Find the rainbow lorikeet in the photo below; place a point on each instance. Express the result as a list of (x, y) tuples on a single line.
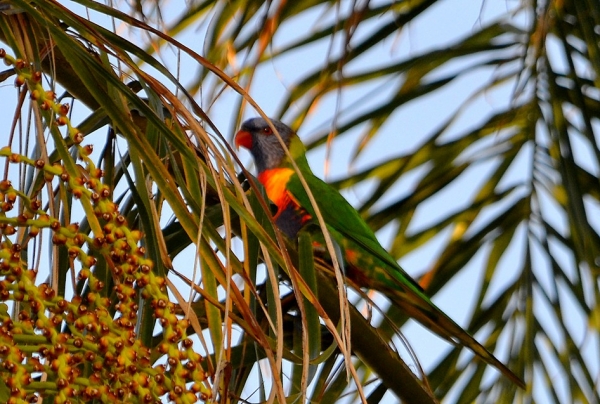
[(367, 262)]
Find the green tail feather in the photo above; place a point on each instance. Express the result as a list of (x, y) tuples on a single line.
[(374, 267)]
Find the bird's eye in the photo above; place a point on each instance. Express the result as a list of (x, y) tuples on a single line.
[(267, 131)]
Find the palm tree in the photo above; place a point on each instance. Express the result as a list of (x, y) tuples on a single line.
[(136, 264)]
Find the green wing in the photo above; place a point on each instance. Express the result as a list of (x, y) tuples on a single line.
[(338, 214), (342, 218)]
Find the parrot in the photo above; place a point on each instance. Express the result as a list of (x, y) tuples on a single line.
[(367, 262)]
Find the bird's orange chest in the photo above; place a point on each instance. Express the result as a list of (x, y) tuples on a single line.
[(275, 182)]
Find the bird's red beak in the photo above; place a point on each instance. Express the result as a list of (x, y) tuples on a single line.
[(243, 138)]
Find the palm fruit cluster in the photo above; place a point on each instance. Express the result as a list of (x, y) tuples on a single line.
[(84, 349)]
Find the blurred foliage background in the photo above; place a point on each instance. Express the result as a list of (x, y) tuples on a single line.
[(499, 203)]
